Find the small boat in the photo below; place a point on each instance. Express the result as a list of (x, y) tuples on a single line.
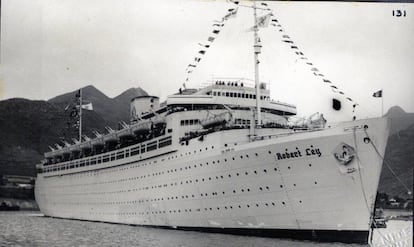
[(379, 223), (4, 206)]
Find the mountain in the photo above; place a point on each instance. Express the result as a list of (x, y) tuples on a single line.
[(400, 120), (28, 127), (112, 110), (399, 156)]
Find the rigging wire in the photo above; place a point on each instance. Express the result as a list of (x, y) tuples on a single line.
[(372, 220)]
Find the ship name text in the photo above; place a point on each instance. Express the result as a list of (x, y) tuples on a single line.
[(311, 151)]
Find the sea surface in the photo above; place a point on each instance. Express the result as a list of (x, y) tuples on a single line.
[(33, 229)]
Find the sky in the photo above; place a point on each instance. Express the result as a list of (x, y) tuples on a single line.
[(52, 47)]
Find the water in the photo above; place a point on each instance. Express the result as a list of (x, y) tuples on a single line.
[(32, 229)]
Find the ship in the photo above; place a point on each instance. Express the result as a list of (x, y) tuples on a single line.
[(223, 158)]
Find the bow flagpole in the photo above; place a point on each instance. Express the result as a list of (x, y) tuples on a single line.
[(80, 114), (378, 94)]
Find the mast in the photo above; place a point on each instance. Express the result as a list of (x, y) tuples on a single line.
[(80, 115), (257, 48)]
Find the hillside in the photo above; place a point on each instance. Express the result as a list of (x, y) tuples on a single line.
[(399, 155), (400, 120), (28, 127), (112, 110)]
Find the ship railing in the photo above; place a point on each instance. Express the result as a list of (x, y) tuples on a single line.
[(292, 132), (138, 149)]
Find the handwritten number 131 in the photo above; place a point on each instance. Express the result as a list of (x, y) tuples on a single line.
[(399, 13)]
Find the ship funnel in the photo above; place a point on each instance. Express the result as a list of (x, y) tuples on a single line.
[(142, 105)]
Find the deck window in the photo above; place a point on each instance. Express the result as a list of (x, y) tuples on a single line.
[(106, 158), (120, 155), (152, 146)]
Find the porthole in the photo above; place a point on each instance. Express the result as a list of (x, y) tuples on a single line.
[(281, 186), (264, 170), (316, 182), (283, 203)]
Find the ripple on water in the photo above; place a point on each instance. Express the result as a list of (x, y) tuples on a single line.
[(31, 229)]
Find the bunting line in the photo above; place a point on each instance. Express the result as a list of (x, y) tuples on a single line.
[(286, 39), (217, 26)]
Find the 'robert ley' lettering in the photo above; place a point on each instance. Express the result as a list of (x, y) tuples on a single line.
[(311, 151), (289, 155)]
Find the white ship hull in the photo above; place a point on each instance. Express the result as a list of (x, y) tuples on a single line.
[(224, 183)]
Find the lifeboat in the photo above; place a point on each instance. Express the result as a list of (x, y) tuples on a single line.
[(158, 122), (97, 142), (85, 145), (215, 121), (141, 128), (111, 138), (126, 133)]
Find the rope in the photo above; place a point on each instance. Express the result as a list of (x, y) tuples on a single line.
[(372, 220)]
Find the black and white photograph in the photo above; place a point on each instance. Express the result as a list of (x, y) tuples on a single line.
[(206, 123)]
